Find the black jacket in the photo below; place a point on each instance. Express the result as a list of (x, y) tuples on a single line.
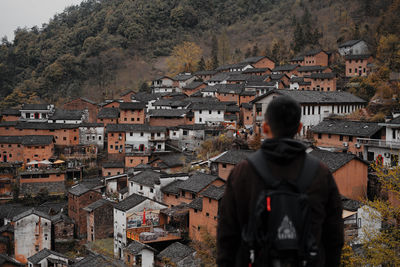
[(285, 159)]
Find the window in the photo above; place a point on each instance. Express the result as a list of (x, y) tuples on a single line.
[(207, 214), (109, 173), (224, 165), (341, 138), (209, 200), (64, 138), (329, 136), (111, 146), (185, 132), (393, 134), (350, 138), (209, 112), (87, 138), (129, 258), (151, 190), (158, 134), (319, 135), (74, 137), (37, 247), (141, 187), (219, 111), (199, 111), (200, 120), (141, 134), (350, 70)]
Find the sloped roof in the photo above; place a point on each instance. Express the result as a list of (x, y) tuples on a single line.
[(173, 159), (79, 189), (214, 192), (251, 60), (196, 204), (97, 204), (328, 75), (357, 57), (219, 77), (313, 52), (29, 212), (46, 125), (229, 88), (334, 160), (34, 107), (309, 96), (288, 67), (255, 70), (11, 139), (192, 85), (13, 112), (205, 72), (345, 127), (171, 113), (176, 252), (37, 140), (172, 188), (130, 202), (95, 260), (6, 259), (60, 114), (134, 128), (114, 164), (183, 77), (135, 247), (108, 113), (132, 105), (44, 253), (209, 106), (298, 58), (233, 156), (349, 43), (311, 68), (147, 178), (197, 182)]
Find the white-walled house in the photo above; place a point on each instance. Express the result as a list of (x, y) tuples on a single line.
[(32, 233), (36, 112), (315, 105), (91, 134), (353, 47), (69, 116), (129, 214), (46, 258), (139, 254), (212, 112)]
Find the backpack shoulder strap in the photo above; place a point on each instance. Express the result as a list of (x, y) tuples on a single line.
[(259, 162), (306, 176)]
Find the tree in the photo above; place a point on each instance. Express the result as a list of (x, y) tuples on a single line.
[(207, 249), (214, 52), (184, 58), (388, 52), (255, 51), (298, 39), (248, 53), (224, 49), (201, 65)]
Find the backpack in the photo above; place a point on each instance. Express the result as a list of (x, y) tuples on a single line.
[(278, 232)]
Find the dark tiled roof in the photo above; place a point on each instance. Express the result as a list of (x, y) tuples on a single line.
[(248, 93), (44, 253), (171, 113), (344, 127), (233, 156), (79, 189), (130, 202), (251, 60), (230, 117), (229, 88), (37, 140), (349, 43), (9, 211), (134, 128), (197, 182), (145, 97), (246, 105), (308, 96), (350, 204), (4, 259), (114, 164), (45, 126), (214, 192), (176, 252), (163, 102), (172, 188), (88, 100), (311, 68), (209, 89), (89, 125), (277, 76), (95, 260), (329, 75), (197, 204), (127, 92), (60, 114), (192, 85), (97, 204), (11, 112), (173, 159), (108, 113), (209, 106), (314, 52), (334, 160), (298, 58), (60, 217), (147, 178), (285, 67), (219, 77), (34, 107), (357, 57), (124, 190), (183, 77), (193, 127), (244, 77), (206, 72), (135, 247), (29, 212), (52, 187), (132, 105), (255, 70), (11, 139)]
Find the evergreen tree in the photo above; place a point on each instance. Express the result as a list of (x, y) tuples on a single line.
[(298, 42), (248, 53), (202, 64), (214, 52), (255, 51)]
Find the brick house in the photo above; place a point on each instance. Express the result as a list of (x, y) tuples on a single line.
[(10, 115), (260, 62), (108, 116), (79, 197), (322, 81), (299, 60), (7, 239), (289, 70), (100, 220), (112, 168), (246, 114), (114, 103), (229, 92), (304, 71), (32, 233), (63, 228), (132, 112), (223, 164), (33, 181), (48, 257), (132, 159), (358, 65), (349, 171), (257, 71), (299, 83), (203, 213), (344, 134), (82, 104), (193, 87), (316, 57), (205, 74), (127, 95), (167, 117), (315, 105)]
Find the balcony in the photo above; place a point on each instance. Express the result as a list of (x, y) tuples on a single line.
[(379, 143)]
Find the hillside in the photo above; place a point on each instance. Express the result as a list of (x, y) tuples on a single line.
[(103, 47)]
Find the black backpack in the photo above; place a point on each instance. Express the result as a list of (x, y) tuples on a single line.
[(278, 232)]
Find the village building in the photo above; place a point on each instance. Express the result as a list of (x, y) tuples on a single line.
[(304, 71), (219, 78), (7, 261), (315, 105), (187, 137), (32, 233), (280, 80), (163, 84), (228, 92), (47, 258), (203, 214), (108, 116), (133, 159), (91, 134), (170, 162), (139, 254), (358, 65), (111, 168), (260, 62), (83, 104), (299, 83), (205, 74), (210, 113), (10, 115), (353, 47), (100, 221), (79, 197), (322, 81), (132, 112), (344, 134), (289, 70), (63, 229), (127, 95), (316, 57), (299, 60), (193, 87), (34, 181), (110, 103), (168, 117), (115, 183), (36, 112), (178, 254), (223, 164), (257, 71), (69, 116), (183, 79), (7, 239), (349, 171), (134, 212)]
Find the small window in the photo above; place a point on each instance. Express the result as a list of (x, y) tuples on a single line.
[(141, 134), (319, 136), (341, 138), (350, 138), (151, 190), (207, 214)]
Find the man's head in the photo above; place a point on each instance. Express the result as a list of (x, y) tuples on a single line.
[(282, 118)]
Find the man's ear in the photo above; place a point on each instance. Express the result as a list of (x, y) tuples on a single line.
[(300, 127), (265, 128)]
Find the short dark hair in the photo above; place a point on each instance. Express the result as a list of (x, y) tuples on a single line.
[(283, 116)]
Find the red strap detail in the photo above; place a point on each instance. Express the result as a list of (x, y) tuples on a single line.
[(250, 264), (268, 203)]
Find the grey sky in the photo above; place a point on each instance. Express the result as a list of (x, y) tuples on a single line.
[(28, 13)]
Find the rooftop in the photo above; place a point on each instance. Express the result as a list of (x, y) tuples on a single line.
[(357, 57), (233, 156), (135, 247), (134, 128), (311, 68), (130, 202), (34, 107), (196, 204), (349, 43), (345, 127), (176, 252), (44, 253), (108, 113), (29, 212), (132, 106), (197, 182), (285, 67), (97, 204), (147, 178), (170, 113), (214, 192), (113, 164), (334, 160)]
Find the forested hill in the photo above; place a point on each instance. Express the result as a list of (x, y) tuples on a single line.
[(102, 47)]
